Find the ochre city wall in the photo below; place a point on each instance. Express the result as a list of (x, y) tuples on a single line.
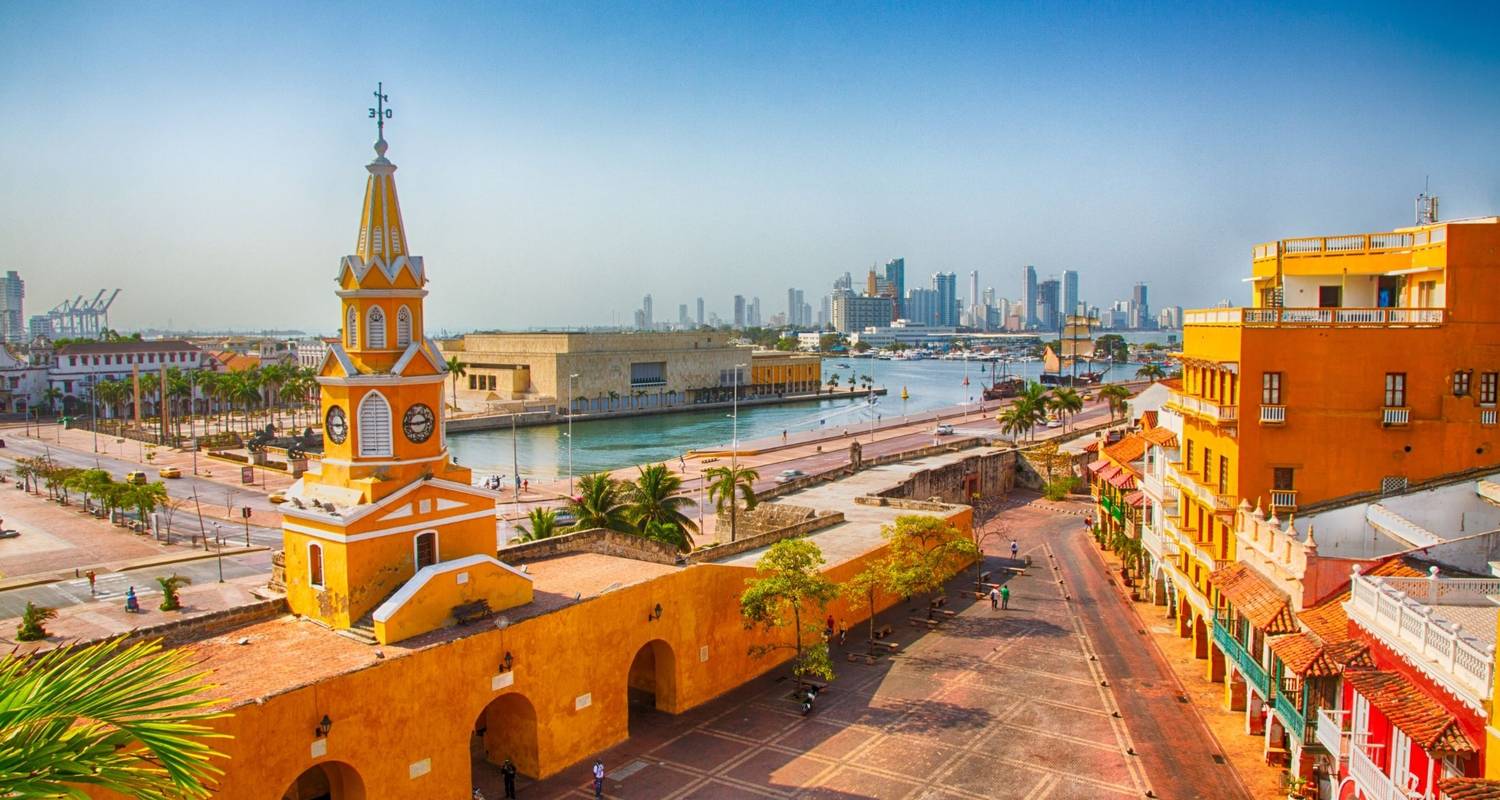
[(415, 715)]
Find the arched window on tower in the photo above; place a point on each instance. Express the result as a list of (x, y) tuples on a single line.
[(375, 329), (374, 425), (403, 327), (351, 329), (315, 564)]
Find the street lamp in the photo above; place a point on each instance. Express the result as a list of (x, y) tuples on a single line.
[(219, 553), (571, 376), (734, 454)]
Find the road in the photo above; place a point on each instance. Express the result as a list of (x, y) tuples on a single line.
[(110, 586)]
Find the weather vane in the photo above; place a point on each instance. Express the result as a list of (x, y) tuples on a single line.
[(380, 113)]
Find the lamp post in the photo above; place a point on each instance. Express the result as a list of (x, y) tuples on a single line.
[(94, 408), (219, 553), (192, 401), (571, 376), (734, 442)]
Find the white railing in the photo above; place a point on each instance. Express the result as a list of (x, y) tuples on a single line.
[(1283, 499), (1207, 409), (1294, 317), (1395, 416), (1331, 733), (1373, 783), (1273, 415), (1460, 662), (1439, 591), (1486, 416)]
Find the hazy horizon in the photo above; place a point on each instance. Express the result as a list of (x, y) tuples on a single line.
[(558, 162)]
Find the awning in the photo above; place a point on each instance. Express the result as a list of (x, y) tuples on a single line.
[(1108, 472), (1411, 710), (1136, 499), (1122, 480), (1252, 595), (1096, 466)]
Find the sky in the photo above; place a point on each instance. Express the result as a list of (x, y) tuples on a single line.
[(558, 161)]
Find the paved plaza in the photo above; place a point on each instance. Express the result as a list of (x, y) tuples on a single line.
[(1007, 704)]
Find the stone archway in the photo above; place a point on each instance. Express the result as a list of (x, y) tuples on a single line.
[(331, 780), (507, 728), (651, 683)]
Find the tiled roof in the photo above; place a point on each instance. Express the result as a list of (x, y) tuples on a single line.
[(1128, 449), (1098, 466), (1173, 383), (1161, 437), (1266, 608), (1122, 480), (1148, 419), (1304, 654), (1136, 499), (237, 362), (1469, 789), (126, 346), (1412, 710)]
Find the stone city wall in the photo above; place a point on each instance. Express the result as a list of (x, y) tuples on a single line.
[(593, 540)]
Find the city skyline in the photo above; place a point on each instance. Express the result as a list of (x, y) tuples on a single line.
[(603, 149)]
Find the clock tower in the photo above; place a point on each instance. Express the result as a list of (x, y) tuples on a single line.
[(387, 503)]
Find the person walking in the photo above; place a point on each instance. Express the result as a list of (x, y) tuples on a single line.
[(1015, 550), (598, 779), (1004, 597), (92, 578), (994, 598), (508, 771)]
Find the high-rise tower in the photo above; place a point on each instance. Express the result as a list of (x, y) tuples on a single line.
[(1028, 297), (372, 533)]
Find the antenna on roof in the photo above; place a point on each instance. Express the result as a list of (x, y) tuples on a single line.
[(1427, 205)]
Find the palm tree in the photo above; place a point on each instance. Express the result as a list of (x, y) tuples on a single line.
[(52, 395), (726, 482), (655, 497), (150, 382), (1065, 402), (1015, 420), (668, 533), (833, 383), (125, 719), (542, 524), (1151, 372), (1117, 396), (456, 369), (179, 387), (112, 392), (599, 504)]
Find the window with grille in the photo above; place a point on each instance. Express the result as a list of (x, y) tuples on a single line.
[(1208, 464), (1392, 484), (374, 425), (315, 564), (1270, 388), (1461, 382), (1223, 475), (403, 327), (351, 326), (426, 549), (1187, 461), (1395, 389), (1487, 387), (1281, 478), (375, 329)]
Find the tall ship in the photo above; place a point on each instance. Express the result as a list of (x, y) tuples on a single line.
[(1076, 344), (1003, 387)]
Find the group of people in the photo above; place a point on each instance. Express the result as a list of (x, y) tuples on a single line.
[(508, 773)]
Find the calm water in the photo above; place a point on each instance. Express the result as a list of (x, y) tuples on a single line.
[(609, 444)]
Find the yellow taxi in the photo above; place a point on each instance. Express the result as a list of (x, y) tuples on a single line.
[(136, 477), (169, 472)]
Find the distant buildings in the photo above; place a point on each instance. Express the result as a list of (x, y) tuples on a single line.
[(739, 311), (1028, 297), (855, 313), (1049, 305), (946, 285), (12, 318), (1069, 292)]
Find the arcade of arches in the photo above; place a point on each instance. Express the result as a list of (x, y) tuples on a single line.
[(332, 780)]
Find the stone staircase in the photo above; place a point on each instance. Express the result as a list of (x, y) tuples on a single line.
[(362, 631)]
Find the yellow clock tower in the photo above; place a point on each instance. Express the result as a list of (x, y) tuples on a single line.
[(388, 534)]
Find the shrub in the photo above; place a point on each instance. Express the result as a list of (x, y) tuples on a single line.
[(31, 628)]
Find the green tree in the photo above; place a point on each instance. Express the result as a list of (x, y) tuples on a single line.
[(865, 589), (833, 383), (828, 341), (170, 584), (1118, 398), (1151, 372), (129, 720), (456, 369), (145, 498), (32, 629), (726, 486), (926, 551), (541, 523), (1065, 402), (600, 504), (668, 533), (656, 496), (787, 583), (861, 346), (52, 394)]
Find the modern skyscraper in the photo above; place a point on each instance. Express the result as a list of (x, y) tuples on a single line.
[(922, 307), (646, 314), (852, 313), (682, 317), (976, 314), (1049, 310), (794, 304), (12, 321), (1140, 308), (895, 278), (946, 286), (1069, 292), (752, 313), (700, 311), (843, 283), (825, 313), (739, 311), (1028, 297)]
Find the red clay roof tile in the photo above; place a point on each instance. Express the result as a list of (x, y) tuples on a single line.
[(1411, 710), (1253, 596), (1469, 789)]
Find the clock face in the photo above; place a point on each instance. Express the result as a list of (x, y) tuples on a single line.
[(418, 423), (336, 426)]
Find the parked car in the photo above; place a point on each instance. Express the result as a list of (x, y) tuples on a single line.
[(944, 430), (565, 518), (169, 472), (788, 475), (1052, 423), (136, 477), (276, 498)]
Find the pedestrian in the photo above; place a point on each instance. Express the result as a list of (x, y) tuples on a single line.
[(994, 598), (1015, 550), (783, 436), (598, 779), (132, 605), (1005, 597), (92, 576), (508, 771), (843, 632), (526, 485)]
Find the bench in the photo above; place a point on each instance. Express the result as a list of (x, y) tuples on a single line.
[(883, 631), (940, 602), (471, 612), (946, 613), (889, 646), (983, 579), (855, 658), (917, 622)]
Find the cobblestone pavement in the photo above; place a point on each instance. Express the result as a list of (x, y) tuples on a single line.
[(994, 704)]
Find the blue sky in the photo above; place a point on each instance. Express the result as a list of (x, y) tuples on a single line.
[(558, 161)]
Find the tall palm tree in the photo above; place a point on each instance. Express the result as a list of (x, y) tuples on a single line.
[(1015, 420), (1065, 402), (456, 369), (150, 383), (126, 719), (724, 483), (52, 395), (656, 497), (600, 504), (541, 523), (1151, 372), (1118, 396), (112, 393), (179, 390), (668, 533)]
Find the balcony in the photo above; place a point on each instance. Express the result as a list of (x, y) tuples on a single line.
[(1486, 416), (1395, 415), (1273, 415), (1255, 674), (1331, 732), (1189, 483), (1403, 613), (1357, 254), (1209, 411), (1317, 317), (1372, 782), (1283, 500), (1291, 717)]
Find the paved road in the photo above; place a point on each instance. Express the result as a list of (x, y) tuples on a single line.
[(110, 586), (1174, 742)]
